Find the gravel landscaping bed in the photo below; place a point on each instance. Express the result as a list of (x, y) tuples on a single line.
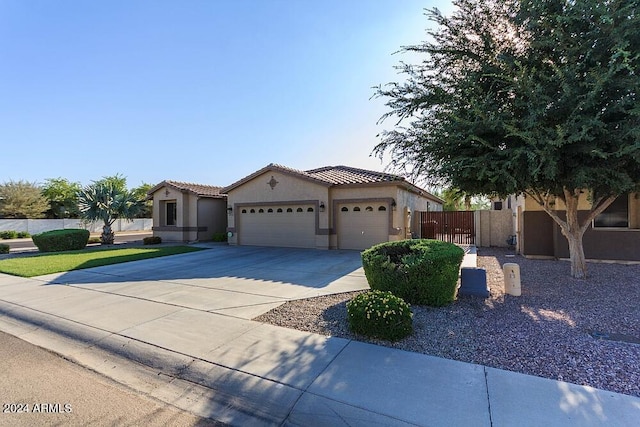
[(582, 331)]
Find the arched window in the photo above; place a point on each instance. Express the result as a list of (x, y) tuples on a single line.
[(252, 211), (261, 210), (382, 208), (289, 210), (356, 209), (244, 211), (345, 209), (279, 210), (368, 209), (270, 210), (299, 210), (309, 209)]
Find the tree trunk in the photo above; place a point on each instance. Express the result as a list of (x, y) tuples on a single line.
[(467, 202), (571, 228), (573, 231), (576, 253), (107, 237)]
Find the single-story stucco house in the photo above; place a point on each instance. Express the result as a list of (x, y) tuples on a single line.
[(332, 207), (184, 212), (614, 235)]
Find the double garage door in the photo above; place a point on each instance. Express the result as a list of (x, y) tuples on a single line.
[(291, 226), (358, 225)]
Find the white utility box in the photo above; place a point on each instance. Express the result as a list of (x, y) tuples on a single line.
[(512, 279)]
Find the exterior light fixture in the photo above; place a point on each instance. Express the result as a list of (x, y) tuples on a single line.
[(229, 210), (321, 206)]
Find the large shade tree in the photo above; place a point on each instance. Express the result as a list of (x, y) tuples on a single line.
[(141, 193), (107, 200), (22, 199), (525, 96), (62, 196)]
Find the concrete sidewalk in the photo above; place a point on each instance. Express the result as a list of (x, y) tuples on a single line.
[(144, 325)]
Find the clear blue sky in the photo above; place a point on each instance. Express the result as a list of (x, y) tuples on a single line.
[(197, 91)]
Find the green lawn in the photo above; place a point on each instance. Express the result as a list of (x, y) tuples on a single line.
[(39, 265)]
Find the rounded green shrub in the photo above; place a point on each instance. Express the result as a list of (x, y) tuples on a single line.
[(152, 240), (380, 314), (420, 271), (4, 249), (61, 240)]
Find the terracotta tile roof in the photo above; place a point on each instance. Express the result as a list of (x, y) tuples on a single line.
[(198, 189), (330, 176), (343, 175)]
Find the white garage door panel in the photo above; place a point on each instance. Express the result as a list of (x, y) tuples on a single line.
[(362, 229), (285, 229)]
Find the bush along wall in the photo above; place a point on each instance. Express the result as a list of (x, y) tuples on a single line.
[(12, 234), (61, 240), (420, 271), (4, 249), (152, 240)]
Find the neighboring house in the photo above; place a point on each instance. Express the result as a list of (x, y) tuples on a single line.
[(328, 208), (184, 212), (613, 235)]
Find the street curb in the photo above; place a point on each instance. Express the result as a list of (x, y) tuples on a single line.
[(194, 385)]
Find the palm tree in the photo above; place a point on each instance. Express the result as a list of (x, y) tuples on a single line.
[(105, 201), (456, 199)]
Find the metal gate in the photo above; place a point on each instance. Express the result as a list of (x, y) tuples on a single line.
[(454, 226)]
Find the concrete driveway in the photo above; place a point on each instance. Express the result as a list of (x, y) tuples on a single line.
[(176, 329), (237, 281)]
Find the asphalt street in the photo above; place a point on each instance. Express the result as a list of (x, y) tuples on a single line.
[(41, 388)]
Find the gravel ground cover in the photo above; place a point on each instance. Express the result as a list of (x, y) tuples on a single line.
[(582, 331)]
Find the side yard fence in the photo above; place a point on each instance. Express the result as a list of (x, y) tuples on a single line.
[(480, 228), (35, 226)]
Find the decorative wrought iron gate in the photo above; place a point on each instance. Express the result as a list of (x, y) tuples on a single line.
[(454, 226)]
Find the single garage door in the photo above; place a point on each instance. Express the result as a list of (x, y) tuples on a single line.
[(284, 226), (361, 226)]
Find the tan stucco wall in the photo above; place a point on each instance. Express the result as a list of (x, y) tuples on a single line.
[(212, 213), (288, 188), (493, 228), (191, 212), (583, 203), (411, 204), (165, 194), (291, 188)]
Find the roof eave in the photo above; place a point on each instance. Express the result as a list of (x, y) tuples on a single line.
[(272, 168)]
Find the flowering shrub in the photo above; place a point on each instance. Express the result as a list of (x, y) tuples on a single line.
[(380, 314)]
